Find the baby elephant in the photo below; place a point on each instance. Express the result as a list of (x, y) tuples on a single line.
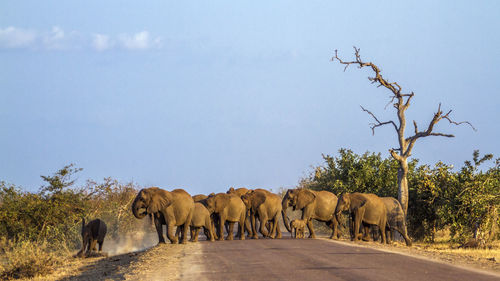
[(92, 233), (299, 226)]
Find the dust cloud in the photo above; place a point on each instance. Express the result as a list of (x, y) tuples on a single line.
[(145, 237)]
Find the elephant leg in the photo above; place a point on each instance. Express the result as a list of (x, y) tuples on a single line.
[(241, 227), (357, 222), (213, 219), (263, 223), (273, 228), (367, 232), (311, 229), (196, 232), (170, 233), (192, 231), (382, 231), (178, 232), (92, 244), (269, 226), (254, 230), (185, 228), (248, 226), (278, 231), (159, 230), (230, 232), (334, 227), (222, 221), (227, 227), (212, 233)]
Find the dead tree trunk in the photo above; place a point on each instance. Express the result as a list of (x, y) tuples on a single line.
[(400, 102)]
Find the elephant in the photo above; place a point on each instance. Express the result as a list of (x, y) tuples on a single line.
[(227, 207), (173, 208), (267, 207), (92, 233), (396, 220), (239, 191), (365, 209), (318, 205), (200, 197), (299, 226), (201, 218)]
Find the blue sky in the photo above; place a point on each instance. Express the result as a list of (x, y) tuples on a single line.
[(205, 95)]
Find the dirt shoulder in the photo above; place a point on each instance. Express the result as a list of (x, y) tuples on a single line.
[(487, 260), (162, 262)]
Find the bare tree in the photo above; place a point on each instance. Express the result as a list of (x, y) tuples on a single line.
[(401, 102)]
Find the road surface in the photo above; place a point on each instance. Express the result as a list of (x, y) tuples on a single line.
[(312, 259)]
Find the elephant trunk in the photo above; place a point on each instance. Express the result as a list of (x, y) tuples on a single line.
[(286, 221), (284, 206), (338, 212), (136, 206)]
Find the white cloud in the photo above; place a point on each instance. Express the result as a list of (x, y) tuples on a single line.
[(55, 40), (101, 42), (139, 41), (58, 39), (13, 37)]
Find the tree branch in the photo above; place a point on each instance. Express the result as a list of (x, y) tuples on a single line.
[(446, 116), (396, 156), (393, 87), (378, 124)]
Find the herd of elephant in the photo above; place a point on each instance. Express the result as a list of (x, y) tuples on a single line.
[(246, 207)]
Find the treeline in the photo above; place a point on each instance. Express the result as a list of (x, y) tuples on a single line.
[(466, 201)]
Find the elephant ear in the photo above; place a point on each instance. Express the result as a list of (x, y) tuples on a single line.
[(221, 201), (160, 199), (258, 199), (359, 202), (304, 198)]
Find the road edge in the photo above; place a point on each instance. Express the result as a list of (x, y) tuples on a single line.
[(469, 268)]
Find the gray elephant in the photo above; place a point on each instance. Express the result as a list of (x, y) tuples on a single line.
[(396, 220), (365, 209), (318, 205), (230, 208), (266, 206), (173, 208), (92, 233)]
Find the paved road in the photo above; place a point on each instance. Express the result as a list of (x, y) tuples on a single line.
[(312, 259)]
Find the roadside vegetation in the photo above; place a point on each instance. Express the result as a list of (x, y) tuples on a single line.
[(464, 201), (40, 230)]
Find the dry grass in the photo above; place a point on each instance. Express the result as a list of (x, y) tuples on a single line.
[(491, 253), (26, 259)]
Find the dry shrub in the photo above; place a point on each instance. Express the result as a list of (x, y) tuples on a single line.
[(27, 259)]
